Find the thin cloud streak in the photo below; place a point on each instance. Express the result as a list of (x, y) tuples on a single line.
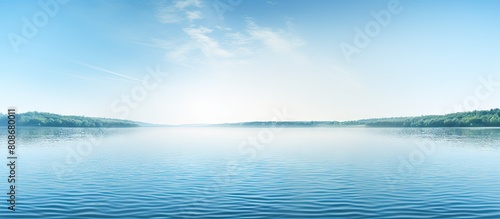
[(108, 71)]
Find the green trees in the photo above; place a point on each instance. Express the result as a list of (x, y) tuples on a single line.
[(485, 118), (55, 120)]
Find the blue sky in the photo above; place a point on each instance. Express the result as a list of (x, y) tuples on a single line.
[(230, 61)]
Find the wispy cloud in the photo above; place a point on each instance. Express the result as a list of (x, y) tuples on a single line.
[(180, 54), (272, 2), (202, 42), (208, 45), (179, 11), (108, 71), (222, 28), (168, 15), (193, 15), (275, 39), (181, 4), (250, 39), (238, 38)]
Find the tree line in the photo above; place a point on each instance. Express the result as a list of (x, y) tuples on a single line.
[(484, 118), (54, 120)]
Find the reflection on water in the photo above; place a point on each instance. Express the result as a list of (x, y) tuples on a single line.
[(477, 137), (295, 173), (49, 135)]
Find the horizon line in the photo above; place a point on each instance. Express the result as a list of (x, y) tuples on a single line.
[(240, 122)]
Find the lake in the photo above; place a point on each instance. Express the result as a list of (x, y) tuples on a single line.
[(255, 173)]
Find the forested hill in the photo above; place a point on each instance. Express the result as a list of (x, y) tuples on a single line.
[(55, 120), (486, 118)]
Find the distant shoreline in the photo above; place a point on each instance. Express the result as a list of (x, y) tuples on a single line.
[(479, 119)]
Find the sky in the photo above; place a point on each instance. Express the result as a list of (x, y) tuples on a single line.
[(218, 61)]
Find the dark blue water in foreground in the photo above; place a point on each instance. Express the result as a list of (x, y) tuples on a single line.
[(292, 173)]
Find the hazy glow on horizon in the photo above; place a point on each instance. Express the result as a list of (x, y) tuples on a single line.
[(242, 64)]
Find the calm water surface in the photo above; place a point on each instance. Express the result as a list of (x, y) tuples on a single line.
[(256, 173)]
